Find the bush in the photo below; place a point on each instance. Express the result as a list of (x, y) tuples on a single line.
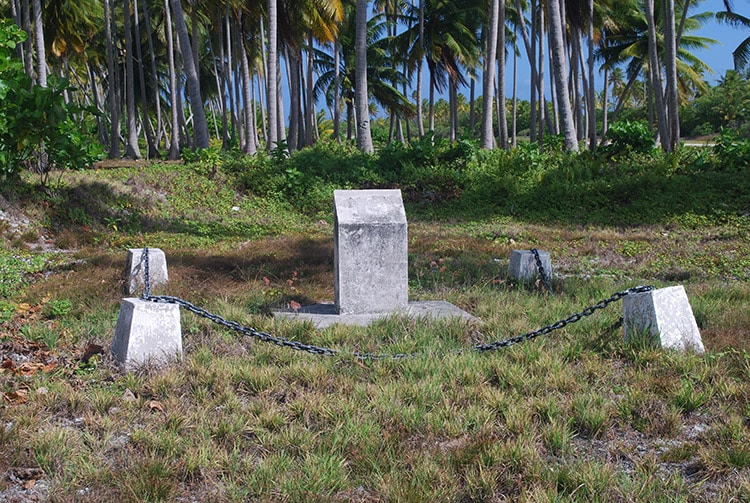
[(732, 151), (37, 127), (629, 136)]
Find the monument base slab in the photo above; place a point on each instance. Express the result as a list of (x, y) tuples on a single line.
[(324, 315)]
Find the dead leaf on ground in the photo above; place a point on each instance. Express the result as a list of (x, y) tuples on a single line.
[(17, 397), (7, 365), (155, 406), (29, 369)]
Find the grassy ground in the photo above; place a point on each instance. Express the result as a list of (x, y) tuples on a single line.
[(578, 415)]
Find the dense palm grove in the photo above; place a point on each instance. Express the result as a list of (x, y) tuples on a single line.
[(150, 79)]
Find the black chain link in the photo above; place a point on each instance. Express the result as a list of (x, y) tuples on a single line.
[(323, 351), (546, 280), (146, 278), (573, 318)]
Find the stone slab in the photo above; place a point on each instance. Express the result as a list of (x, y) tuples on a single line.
[(135, 271), (370, 252), (664, 313), (523, 266), (147, 331), (324, 315)]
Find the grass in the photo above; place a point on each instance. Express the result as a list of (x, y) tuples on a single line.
[(577, 415)]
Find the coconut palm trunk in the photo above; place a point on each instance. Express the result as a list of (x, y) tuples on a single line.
[(131, 149), (112, 94), (41, 55), (670, 63), (559, 69), (656, 85), (272, 74), (364, 138), (488, 78), (174, 143), (200, 126)]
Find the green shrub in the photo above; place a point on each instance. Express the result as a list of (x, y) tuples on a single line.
[(38, 129), (732, 151), (629, 136)]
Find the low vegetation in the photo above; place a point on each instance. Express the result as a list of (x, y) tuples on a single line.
[(578, 415)]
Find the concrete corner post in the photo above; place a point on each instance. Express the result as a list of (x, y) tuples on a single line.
[(135, 272), (523, 265), (147, 331), (370, 252), (665, 313)]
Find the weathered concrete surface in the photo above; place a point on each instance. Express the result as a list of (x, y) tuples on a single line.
[(147, 331), (135, 271), (370, 252), (324, 315), (665, 313), (523, 266)]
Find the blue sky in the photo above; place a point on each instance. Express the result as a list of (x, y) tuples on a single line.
[(719, 57)]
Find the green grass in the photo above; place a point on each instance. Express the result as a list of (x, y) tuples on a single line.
[(577, 415)]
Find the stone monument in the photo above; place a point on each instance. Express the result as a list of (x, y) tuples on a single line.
[(371, 276), (370, 252)]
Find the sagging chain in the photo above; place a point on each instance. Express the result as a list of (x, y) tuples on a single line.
[(562, 323), (546, 280), (323, 351)]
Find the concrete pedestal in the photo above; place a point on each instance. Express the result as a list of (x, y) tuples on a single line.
[(135, 271), (523, 265), (665, 313), (370, 252), (147, 331)]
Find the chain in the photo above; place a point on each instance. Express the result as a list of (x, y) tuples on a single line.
[(573, 318), (542, 273), (323, 351), (146, 279)]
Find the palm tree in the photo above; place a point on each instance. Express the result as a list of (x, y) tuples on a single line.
[(559, 66), (131, 149), (113, 98), (174, 143), (41, 55), (364, 138), (272, 74), (741, 54), (200, 126), (626, 42), (654, 69), (488, 77), (305, 22), (450, 42), (382, 79)]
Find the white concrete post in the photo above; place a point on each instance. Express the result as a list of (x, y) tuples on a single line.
[(663, 313), (523, 265), (135, 272), (147, 331)]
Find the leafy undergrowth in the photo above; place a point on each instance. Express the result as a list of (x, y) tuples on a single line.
[(578, 415)]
